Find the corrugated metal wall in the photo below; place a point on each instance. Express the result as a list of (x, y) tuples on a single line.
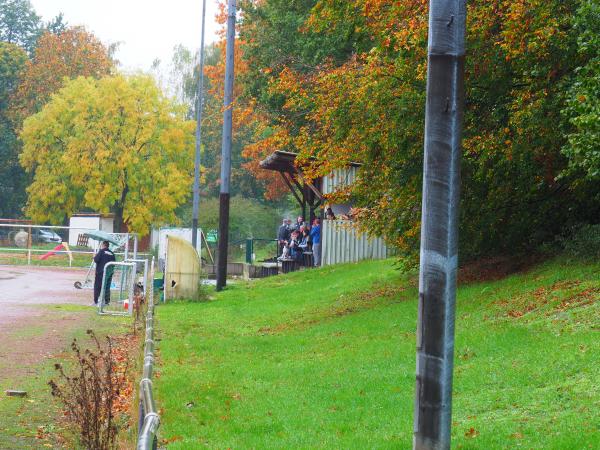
[(339, 178), (340, 242)]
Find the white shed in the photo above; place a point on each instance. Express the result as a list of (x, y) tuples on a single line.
[(80, 223)]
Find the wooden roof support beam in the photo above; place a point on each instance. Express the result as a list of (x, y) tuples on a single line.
[(310, 185), (291, 187)]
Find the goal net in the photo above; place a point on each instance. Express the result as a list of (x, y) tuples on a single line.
[(123, 286)]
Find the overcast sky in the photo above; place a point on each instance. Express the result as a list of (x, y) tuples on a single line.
[(148, 29)]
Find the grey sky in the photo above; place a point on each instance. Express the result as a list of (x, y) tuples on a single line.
[(148, 29)]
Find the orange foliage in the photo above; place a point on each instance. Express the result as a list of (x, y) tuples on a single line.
[(72, 53), (246, 115)]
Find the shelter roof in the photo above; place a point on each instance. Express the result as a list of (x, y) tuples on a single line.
[(282, 161)]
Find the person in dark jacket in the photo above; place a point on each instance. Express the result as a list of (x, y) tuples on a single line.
[(294, 246), (101, 258), (283, 234), (299, 224)]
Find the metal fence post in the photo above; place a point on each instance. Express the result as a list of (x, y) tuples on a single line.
[(126, 246), (149, 420), (29, 242), (249, 250)]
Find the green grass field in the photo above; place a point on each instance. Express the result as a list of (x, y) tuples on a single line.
[(19, 256), (326, 359)]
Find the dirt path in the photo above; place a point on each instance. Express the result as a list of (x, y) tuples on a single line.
[(33, 325), (40, 313), (41, 285)]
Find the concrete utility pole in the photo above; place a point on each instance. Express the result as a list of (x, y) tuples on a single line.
[(199, 106), (226, 150), (439, 232)]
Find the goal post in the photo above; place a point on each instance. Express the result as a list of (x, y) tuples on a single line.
[(119, 280)]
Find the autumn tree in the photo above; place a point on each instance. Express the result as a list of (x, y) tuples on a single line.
[(69, 54), (60, 54), (367, 105), (183, 83), (275, 36), (116, 144)]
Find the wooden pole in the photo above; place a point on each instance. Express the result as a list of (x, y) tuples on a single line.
[(226, 150)]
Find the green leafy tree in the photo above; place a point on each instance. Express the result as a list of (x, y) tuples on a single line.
[(583, 105), (62, 53), (12, 188), (57, 25), (249, 218), (19, 23), (112, 145)]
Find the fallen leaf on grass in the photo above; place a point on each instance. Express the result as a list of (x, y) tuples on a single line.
[(171, 440), (471, 433)]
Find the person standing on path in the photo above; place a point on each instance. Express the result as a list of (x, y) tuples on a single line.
[(315, 236), (101, 258)]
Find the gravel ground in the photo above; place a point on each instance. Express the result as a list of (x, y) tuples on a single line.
[(30, 329)]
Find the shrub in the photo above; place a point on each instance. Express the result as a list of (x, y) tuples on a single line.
[(583, 242), (91, 395)]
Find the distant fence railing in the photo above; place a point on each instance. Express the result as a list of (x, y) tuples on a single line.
[(252, 250), (341, 242), (46, 245), (149, 419)]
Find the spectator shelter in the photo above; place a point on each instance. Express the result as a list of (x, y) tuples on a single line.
[(308, 194), (341, 242)]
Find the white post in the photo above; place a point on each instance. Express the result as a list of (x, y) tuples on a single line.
[(29, 241)]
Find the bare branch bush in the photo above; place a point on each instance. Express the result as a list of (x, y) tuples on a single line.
[(91, 394)]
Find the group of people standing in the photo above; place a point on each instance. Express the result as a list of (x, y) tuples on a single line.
[(296, 241)]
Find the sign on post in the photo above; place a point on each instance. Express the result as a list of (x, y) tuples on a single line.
[(212, 236)]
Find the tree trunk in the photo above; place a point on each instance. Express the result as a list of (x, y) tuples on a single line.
[(439, 232), (118, 219), (120, 205)]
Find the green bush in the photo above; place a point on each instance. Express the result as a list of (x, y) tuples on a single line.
[(583, 242), (248, 218)]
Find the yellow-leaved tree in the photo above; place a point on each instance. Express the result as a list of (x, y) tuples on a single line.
[(116, 144)]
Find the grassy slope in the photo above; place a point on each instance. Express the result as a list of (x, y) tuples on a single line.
[(326, 359)]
